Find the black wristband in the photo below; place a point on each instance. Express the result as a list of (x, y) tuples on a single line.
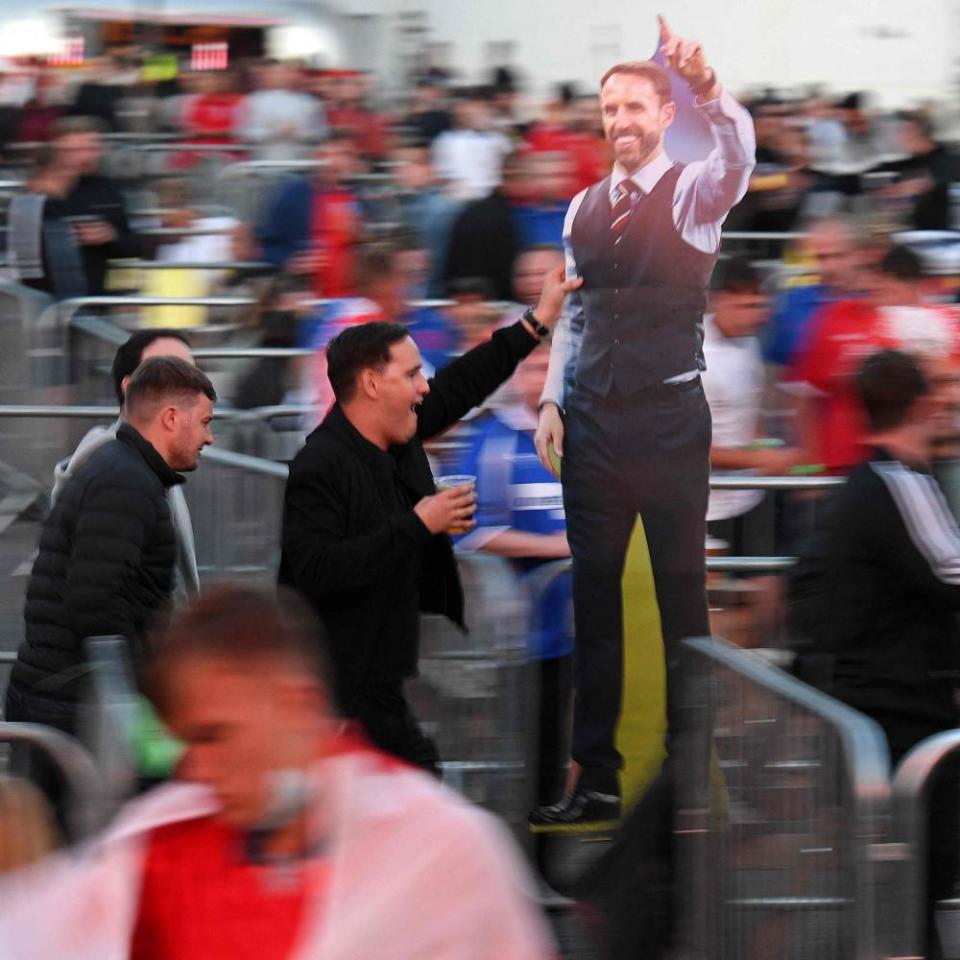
[(538, 328)]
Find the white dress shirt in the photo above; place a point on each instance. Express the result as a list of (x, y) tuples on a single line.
[(705, 193)]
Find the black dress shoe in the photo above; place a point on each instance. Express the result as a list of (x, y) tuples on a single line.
[(581, 811)]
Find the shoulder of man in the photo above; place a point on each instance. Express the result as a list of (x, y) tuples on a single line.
[(115, 465)]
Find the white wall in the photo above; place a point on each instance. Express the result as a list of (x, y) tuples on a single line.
[(900, 50)]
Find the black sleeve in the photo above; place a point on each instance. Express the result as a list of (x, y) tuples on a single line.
[(467, 381), (318, 553), (914, 531), (106, 557)]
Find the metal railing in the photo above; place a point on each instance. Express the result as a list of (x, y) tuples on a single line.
[(85, 807), (912, 787), (782, 815)]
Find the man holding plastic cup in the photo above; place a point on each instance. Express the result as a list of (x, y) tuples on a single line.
[(365, 529)]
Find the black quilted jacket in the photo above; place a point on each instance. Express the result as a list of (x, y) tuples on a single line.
[(105, 564)]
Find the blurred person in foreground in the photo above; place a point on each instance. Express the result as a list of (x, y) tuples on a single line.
[(877, 593), (311, 225), (72, 221), (107, 553), (364, 529), (894, 312), (291, 838), (141, 346), (624, 406)]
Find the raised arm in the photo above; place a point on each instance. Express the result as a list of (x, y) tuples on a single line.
[(708, 189)]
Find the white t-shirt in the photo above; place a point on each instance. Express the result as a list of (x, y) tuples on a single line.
[(470, 161), (733, 384)]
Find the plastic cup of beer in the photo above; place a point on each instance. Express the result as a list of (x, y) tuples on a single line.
[(449, 482)]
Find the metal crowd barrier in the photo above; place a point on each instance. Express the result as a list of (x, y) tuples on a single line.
[(474, 694), (84, 812), (782, 816), (236, 503), (912, 785)]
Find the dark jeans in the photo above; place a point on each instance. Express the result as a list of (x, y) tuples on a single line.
[(646, 455), (388, 722)]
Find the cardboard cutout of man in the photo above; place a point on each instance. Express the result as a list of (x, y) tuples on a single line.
[(623, 405)]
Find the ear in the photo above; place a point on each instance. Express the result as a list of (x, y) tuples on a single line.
[(668, 112), (369, 383), (123, 384), (169, 418)]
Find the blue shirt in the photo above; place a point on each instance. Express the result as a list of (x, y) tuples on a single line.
[(792, 312), (538, 225), (516, 492)]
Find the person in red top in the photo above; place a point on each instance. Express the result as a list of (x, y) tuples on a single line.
[(212, 115), (349, 113), (894, 315), (240, 679), (569, 126), (335, 223)]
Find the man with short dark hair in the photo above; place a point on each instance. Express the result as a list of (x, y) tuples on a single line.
[(141, 346), (882, 589), (107, 550), (364, 530)]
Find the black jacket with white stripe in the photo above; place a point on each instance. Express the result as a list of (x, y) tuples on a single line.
[(887, 592)]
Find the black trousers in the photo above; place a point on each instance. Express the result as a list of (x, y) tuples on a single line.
[(643, 455), (384, 714)]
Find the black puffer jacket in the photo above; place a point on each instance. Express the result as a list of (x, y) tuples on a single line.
[(105, 564)]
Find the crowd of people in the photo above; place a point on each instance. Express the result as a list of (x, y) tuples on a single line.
[(421, 260)]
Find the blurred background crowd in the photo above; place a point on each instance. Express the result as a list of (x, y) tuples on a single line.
[(291, 202)]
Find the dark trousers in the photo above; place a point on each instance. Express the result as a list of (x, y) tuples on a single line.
[(388, 722), (646, 455)]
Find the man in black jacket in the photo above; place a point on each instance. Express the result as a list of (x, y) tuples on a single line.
[(107, 550), (881, 589), (364, 528)]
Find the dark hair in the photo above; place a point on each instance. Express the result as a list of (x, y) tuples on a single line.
[(366, 346), (129, 354), (902, 263), (648, 70), (736, 275), (888, 383), (241, 624), (161, 380)]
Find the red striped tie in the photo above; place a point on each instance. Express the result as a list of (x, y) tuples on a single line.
[(621, 210)]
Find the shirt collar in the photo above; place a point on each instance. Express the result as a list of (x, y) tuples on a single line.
[(168, 476), (646, 178), (337, 422)]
